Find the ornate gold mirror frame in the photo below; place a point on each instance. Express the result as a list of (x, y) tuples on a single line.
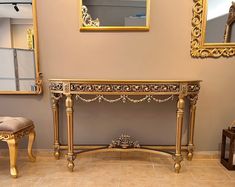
[(32, 38), (88, 23), (199, 48)]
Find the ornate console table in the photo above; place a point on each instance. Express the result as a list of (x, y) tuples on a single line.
[(123, 92)]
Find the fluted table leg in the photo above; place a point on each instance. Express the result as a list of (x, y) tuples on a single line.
[(69, 111), (193, 100), (55, 110), (179, 124)]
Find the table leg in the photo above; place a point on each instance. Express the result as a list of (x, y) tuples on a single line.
[(193, 101), (180, 115), (69, 111), (55, 109)]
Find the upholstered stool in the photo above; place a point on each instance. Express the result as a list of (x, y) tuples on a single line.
[(11, 130)]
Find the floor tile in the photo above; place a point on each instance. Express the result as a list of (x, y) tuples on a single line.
[(117, 170), (209, 173)]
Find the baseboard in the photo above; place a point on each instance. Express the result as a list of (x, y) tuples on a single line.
[(206, 155)]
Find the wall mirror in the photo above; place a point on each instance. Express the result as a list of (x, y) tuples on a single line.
[(114, 15), (213, 28), (19, 65)]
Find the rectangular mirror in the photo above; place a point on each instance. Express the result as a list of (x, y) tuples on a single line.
[(114, 15), (19, 66), (212, 28)]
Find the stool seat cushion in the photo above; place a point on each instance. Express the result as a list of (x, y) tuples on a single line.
[(14, 124)]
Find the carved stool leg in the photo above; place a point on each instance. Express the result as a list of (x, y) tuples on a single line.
[(13, 147), (32, 135)]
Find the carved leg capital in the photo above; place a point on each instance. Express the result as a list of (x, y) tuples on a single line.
[(178, 158)]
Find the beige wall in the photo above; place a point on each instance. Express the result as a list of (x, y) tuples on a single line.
[(162, 53), (5, 33)]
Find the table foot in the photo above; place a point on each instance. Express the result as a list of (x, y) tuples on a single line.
[(57, 155), (70, 160), (190, 156), (70, 166), (57, 152), (190, 152), (14, 172), (177, 165)]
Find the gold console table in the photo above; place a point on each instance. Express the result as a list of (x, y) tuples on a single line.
[(124, 91)]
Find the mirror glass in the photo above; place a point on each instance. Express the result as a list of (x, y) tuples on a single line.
[(114, 14), (219, 22), (18, 47)]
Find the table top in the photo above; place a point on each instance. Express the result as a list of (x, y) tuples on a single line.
[(124, 87), (122, 81)]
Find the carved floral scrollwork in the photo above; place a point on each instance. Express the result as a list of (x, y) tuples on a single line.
[(197, 29), (193, 99), (54, 86), (66, 87), (38, 85), (124, 142), (124, 87), (193, 88), (56, 96), (183, 90), (87, 20), (7, 136)]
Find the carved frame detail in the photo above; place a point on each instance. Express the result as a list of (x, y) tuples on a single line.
[(87, 20), (5, 136), (198, 47), (124, 142)]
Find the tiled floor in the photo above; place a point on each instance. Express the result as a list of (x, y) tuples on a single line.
[(117, 170)]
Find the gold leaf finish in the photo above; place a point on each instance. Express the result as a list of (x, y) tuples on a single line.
[(73, 89)]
